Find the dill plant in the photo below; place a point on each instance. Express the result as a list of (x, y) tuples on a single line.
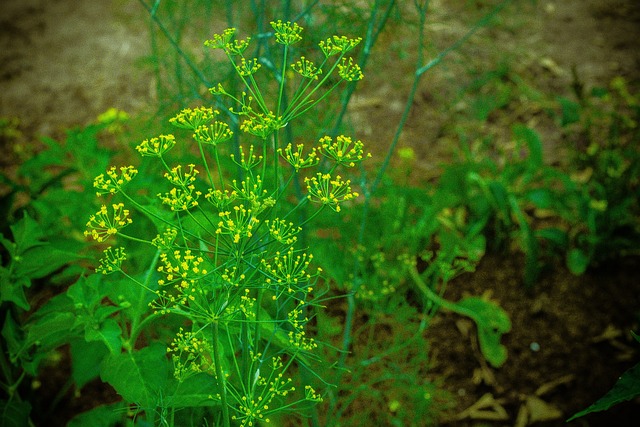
[(228, 259)]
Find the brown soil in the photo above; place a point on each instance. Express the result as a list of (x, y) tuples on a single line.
[(64, 62)]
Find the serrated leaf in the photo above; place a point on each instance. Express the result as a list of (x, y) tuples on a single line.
[(626, 388), (492, 322), (140, 377)]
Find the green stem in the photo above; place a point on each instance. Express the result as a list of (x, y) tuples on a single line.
[(437, 299), (206, 165), (219, 374)]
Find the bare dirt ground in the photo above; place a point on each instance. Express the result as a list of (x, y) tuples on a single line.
[(63, 62)]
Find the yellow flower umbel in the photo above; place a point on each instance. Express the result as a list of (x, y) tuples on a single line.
[(268, 386), (112, 260), (287, 33), (239, 223), (298, 337), (338, 45), (282, 231), (114, 182), (184, 196), (102, 224), (192, 119), (343, 150), (191, 354), (288, 272), (349, 70), (306, 68), (247, 162), (156, 147), (183, 270), (297, 158), (221, 199), (329, 191), (213, 134)]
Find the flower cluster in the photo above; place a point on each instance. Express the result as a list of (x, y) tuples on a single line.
[(256, 408), (232, 270), (184, 195), (297, 337), (329, 191), (288, 272), (102, 225), (165, 241), (156, 147), (343, 150), (297, 159), (282, 231), (114, 181), (247, 162), (192, 119), (183, 270), (239, 223), (306, 68), (338, 45), (259, 124), (112, 260), (213, 134), (349, 70), (221, 199), (287, 33), (191, 354)]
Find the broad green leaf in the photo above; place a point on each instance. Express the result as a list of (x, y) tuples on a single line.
[(43, 260), (26, 233), (197, 390), (101, 416), (12, 334), (577, 261), (14, 413), (86, 358), (492, 322), (84, 292), (8, 245), (627, 388), (108, 332), (52, 330), (12, 289), (140, 377)]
